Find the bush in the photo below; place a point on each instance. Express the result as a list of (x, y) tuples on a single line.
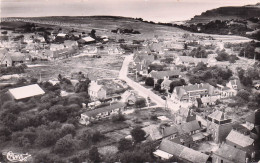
[(138, 134), (118, 118), (154, 117), (124, 145), (149, 81), (140, 103), (94, 154), (65, 145), (245, 95)]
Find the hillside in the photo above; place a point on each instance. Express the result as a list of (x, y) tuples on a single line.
[(227, 13)]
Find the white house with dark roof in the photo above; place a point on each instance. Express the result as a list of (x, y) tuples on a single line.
[(168, 149), (230, 90), (101, 113), (26, 92), (97, 91), (190, 93), (15, 58)]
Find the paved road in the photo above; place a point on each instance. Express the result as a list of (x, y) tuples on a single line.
[(142, 91)]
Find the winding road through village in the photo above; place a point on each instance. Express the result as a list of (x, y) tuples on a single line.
[(142, 91)]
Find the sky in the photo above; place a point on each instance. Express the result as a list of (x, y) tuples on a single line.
[(152, 10)]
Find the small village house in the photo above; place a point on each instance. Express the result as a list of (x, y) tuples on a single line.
[(96, 91), (190, 93), (129, 97), (156, 75), (168, 149), (101, 113), (86, 40), (176, 130), (184, 115), (239, 140), (15, 58), (192, 61), (26, 92), (207, 101), (165, 85), (229, 154), (152, 132), (230, 90)]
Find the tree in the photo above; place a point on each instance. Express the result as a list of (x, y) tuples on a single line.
[(82, 86), (245, 95), (175, 84), (46, 137), (64, 145), (124, 144), (93, 33), (149, 81), (118, 118), (68, 129), (139, 103), (94, 154), (138, 134)]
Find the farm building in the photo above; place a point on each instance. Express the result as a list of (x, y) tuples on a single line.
[(26, 92)]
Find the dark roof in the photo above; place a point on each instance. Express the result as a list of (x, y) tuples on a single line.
[(254, 117), (170, 130), (182, 128), (171, 147), (239, 139), (218, 115), (183, 152), (162, 74), (93, 113), (182, 90), (190, 126), (231, 153)]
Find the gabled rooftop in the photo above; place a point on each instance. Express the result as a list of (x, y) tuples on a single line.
[(184, 153), (162, 74), (239, 139), (231, 153)]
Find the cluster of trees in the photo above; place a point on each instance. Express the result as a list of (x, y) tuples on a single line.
[(246, 98), (13, 69), (247, 76), (199, 52), (149, 81), (212, 75), (125, 31), (48, 121), (224, 56), (249, 51)]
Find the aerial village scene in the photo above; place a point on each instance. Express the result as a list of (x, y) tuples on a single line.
[(77, 89)]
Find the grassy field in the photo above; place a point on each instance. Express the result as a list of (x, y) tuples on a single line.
[(97, 67)]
